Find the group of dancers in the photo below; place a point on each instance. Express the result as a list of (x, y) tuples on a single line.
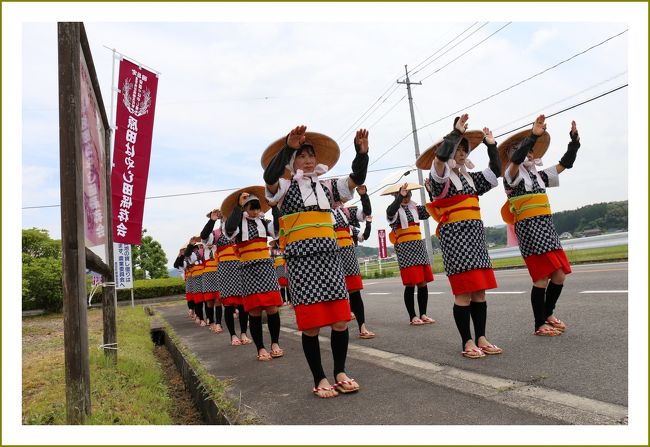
[(304, 255)]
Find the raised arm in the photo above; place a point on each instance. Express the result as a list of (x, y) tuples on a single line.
[(360, 162), (569, 157), (449, 143), (275, 169), (518, 157), (493, 153), (209, 226)]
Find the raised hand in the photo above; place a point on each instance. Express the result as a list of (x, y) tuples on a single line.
[(361, 190), (539, 126), (574, 132), (461, 124), (242, 198), (403, 191), (361, 141), (489, 138), (296, 137), (215, 214)]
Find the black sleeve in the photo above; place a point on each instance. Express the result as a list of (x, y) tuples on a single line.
[(178, 263), (570, 155), (207, 229), (366, 232), (519, 155), (359, 166), (493, 155), (188, 250), (275, 169), (366, 207), (449, 143), (393, 207), (234, 220), (275, 211)]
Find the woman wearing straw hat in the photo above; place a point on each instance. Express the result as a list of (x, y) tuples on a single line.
[(179, 264), (245, 209), (454, 205), (228, 278), (291, 169), (344, 219), (528, 209), (404, 217)]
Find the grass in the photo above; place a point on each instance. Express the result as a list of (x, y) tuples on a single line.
[(133, 392)]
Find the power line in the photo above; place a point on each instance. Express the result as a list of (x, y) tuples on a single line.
[(456, 37), (465, 53)]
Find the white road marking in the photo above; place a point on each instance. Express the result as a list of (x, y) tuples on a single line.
[(504, 293), (378, 293), (604, 291), (369, 283), (436, 293)]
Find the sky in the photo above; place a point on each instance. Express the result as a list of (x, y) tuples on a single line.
[(234, 78)]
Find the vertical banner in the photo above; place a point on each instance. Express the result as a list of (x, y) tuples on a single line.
[(93, 154), (383, 252), (122, 267), (136, 102)]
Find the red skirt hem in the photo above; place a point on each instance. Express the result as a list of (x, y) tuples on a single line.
[(209, 296), (416, 274), (353, 282), (266, 299), (232, 301), (198, 297), (541, 266), (311, 316), (472, 281)]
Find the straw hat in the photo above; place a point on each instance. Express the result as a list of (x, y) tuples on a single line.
[(425, 160), (229, 202), (539, 149), (395, 188), (326, 150)]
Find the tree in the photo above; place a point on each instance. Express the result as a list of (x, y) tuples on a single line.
[(42, 282), (149, 257), (38, 244)]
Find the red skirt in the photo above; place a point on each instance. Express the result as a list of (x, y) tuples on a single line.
[(353, 282), (416, 274), (209, 296), (311, 316), (472, 281), (283, 281), (188, 296), (266, 299), (232, 301), (541, 266), (198, 297)]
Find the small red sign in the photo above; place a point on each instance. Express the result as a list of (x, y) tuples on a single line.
[(383, 252)]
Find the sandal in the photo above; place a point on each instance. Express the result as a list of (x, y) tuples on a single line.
[(264, 357), (557, 324), (316, 390), (235, 342), (276, 353), (245, 341), (416, 322), (338, 386), (427, 320), (473, 353), (490, 349), (546, 331), (366, 335)]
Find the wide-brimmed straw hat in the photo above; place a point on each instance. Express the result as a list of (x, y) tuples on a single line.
[(539, 149), (425, 160), (229, 202), (395, 188), (326, 150)]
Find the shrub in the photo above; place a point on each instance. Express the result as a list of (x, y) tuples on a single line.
[(43, 285)]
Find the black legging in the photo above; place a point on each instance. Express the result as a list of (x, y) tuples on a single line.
[(409, 300), (356, 305)]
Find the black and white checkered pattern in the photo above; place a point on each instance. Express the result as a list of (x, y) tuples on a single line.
[(230, 281), (308, 247), (258, 276), (281, 271), (188, 284), (463, 246), (537, 235), (349, 262), (316, 278), (411, 253), (481, 183), (520, 188), (209, 282)]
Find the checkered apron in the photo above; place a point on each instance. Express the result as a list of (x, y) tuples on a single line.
[(410, 253), (229, 270)]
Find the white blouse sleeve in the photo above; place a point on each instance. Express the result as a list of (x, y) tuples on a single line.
[(553, 177), (445, 175), (283, 187), (344, 190)]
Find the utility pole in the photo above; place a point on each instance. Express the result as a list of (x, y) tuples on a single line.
[(423, 200)]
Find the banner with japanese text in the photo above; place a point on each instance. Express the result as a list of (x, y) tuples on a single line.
[(122, 268), (136, 102), (383, 252)]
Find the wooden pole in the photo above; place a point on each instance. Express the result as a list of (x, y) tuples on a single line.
[(75, 328)]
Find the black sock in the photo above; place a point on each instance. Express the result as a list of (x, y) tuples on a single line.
[(273, 322), (229, 317), (462, 316), (356, 305), (553, 292), (190, 304), (283, 294), (311, 348), (218, 310), (423, 299), (243, 319), (537, 301), (256, 331), (339, 342), (286, 290), (478, 310), (409, 292), (198, 308), (209, 311)]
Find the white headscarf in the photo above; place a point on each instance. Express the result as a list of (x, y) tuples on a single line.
[(304, 182)]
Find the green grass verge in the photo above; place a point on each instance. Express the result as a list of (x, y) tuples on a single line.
[(214, 387), (133, 392)]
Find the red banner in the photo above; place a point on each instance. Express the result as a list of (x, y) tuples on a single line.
[(136, 103), (383, 252)]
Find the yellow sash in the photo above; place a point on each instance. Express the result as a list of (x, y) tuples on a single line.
[(227, 253), (279, 261), (412, 233), (210, 266), (343, 237), (466, 209), (526, 206), (197, 270), (305, 225), (252, 250)]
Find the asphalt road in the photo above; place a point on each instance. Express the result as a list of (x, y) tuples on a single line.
[(416, 375)]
